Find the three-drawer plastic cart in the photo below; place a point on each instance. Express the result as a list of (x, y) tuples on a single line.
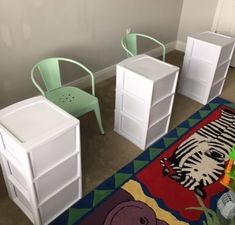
[(145, 90), (206, 62), (40, 158)]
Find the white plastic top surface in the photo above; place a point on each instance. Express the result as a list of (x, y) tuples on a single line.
[(213, 38), (148, 67), (33, 118)]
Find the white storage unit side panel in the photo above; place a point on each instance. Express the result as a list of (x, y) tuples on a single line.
[(19, 184), (23, 199), (17, 171), (19, 198), (2, 147), (130, 128), (12, 170), (11, 145), (204, 51), (134, 84), (132, 106)]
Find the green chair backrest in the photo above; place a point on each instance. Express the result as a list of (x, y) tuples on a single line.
[(129, 44), (50, 72)]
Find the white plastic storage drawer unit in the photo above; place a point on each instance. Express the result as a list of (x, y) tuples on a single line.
[(145, 89), (206, 61), (40, 158)]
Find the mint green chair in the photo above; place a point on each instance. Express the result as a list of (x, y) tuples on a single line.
[(129, 44), (72, 99)]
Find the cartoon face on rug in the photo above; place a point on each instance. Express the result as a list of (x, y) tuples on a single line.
[(132, 212), (200, 160)]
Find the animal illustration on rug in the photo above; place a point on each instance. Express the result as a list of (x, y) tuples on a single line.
[(132, 212), (200, 160)]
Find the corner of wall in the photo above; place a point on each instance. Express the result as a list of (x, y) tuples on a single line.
[(180, 46)]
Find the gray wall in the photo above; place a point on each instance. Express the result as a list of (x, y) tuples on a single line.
[(86, 30), (196, 16)]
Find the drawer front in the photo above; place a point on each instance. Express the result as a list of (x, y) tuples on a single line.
[(164, 87), (56, 178), (198, 69), (226, 53), (160, 110), (216, 90), (52, 152), (221, 72), (58, 203), (194, 89), (134, 84), (157, 131), (132, 106)]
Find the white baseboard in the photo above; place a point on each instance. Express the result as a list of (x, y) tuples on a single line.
[(180, 46), (157, 52), (110, 71), (100, 76)]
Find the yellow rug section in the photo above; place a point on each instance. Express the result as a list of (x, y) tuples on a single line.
[(134, 188)]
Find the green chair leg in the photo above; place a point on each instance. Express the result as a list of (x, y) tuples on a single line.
[(98, 117)]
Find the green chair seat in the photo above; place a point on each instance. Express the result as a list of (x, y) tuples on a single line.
[(71, 99)]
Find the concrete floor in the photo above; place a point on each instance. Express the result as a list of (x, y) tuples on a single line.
[(103, 155)]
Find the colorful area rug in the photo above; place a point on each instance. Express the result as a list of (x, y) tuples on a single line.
[(159, 186)]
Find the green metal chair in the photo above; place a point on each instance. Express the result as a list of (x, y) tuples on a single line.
[(129, 44), (72, 99)]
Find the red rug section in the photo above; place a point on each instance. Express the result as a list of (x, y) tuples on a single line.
[(174, 195)]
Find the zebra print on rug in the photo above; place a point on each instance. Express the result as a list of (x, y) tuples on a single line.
[(200, 159)]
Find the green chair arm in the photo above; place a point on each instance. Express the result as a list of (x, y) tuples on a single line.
[(34, 81), (125, 48), (83, 67), (157, 42), (129, 53)]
